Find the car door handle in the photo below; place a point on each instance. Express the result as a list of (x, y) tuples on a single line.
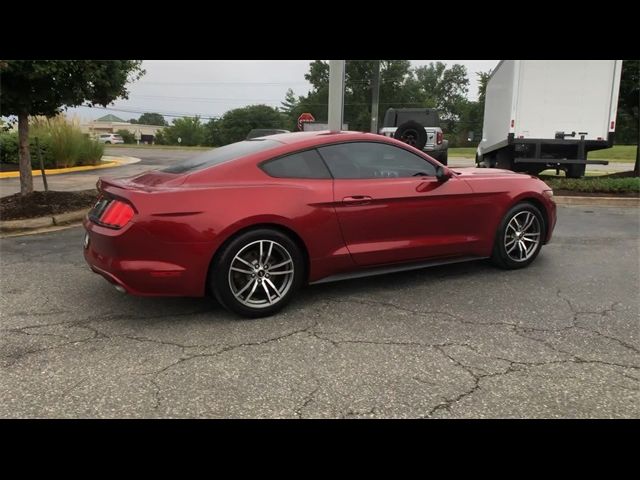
[(357, 200)]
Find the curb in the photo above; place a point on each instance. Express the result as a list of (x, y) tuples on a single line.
[(598, 201), (14, 226), (108, 161)]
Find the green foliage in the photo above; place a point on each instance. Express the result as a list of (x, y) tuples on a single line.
[(44, 87), (127, 136), (62, 144), (595, 184), (189, 129), (152, 119), (237, 123)]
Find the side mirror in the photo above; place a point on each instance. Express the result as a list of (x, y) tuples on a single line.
[(443, 174)]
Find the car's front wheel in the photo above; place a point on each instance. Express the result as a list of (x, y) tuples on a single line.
[(257, 273), (519, 237)]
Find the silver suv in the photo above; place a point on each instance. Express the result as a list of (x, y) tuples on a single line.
[(110, 138)]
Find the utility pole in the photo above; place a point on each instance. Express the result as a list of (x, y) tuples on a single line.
[(375, 96), (336, 94)]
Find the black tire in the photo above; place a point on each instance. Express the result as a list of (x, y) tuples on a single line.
[(576, 170), (108, 143), (221, 276), (444, 158), (412, 133), (500, 257), (504, 159)]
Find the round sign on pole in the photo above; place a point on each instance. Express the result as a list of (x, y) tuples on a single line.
[(179, 140), (305, 117)]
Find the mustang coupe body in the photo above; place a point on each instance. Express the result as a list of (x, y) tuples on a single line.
[(253, 221)]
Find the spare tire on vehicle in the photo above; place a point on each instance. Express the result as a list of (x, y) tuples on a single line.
[(412, 133)]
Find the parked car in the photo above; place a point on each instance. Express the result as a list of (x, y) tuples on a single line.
[(264, 132), (110, 138), (420, 128), (253, 221)]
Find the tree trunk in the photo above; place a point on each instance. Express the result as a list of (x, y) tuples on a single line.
[(26, 179), (636, 169)]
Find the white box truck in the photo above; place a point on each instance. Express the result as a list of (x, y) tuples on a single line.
[(542, 114)]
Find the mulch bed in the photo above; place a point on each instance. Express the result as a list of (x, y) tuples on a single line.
[(41, 204)]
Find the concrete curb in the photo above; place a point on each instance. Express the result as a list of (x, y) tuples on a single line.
[(598, 201), (24, 225)]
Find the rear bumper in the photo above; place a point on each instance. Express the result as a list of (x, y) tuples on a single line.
[(142, 265)]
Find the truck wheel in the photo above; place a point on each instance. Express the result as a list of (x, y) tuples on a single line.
[(576, 170), (444, 158), (504, 159), (412, 133)]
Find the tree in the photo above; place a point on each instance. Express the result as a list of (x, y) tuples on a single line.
[(133, 120), (444, 87), (127, 136), (237, 123), (45, 87), (212, 132), (396, 90), (189, 130), (152, 119), (290, 102), (629, 102)]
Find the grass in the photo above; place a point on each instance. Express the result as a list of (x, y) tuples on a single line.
[(617, 153), (629, 185), (162, 147)]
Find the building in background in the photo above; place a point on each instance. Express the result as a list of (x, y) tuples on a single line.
[(111, 124)]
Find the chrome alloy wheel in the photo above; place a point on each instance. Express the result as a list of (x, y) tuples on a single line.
[(261, 274), (522, 236)]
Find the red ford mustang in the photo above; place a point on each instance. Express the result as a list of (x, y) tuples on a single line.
[(253, 221)]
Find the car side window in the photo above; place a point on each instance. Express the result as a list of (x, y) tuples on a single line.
[(307, 164), (374, 160)]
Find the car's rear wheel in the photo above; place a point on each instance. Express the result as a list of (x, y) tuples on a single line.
[(519, 237), (257, 273)]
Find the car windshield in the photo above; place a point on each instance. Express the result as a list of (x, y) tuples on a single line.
[(222, 154)]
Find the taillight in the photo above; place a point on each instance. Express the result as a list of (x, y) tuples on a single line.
[(439, 138), (115, 214)]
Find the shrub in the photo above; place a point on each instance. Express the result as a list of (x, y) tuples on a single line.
[(127, 136), (62, 144)]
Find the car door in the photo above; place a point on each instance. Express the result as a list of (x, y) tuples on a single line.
[(392, 208)]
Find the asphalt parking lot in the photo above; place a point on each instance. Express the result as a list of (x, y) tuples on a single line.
[(558, 339)]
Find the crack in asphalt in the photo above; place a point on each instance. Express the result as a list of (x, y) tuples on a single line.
[(311, 330)]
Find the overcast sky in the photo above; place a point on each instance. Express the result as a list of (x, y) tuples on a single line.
[(211, 87)]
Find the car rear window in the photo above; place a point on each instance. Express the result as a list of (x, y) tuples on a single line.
[(222, 154)]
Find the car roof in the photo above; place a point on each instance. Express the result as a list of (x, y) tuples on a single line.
[(322, 136)]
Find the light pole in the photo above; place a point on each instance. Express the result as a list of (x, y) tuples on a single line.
[(375, 96), (336, 94)]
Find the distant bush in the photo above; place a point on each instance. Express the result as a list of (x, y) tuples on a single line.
[(595, 184), (62, 144), (127, 136)]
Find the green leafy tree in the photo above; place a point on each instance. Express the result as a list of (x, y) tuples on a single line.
[(212, 132), (397, 89), (133, 121), (152, 119), (444, 87), (127, 136), (237, 123), (45, 87), (189, 130), (290, 102), (628, 122)]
